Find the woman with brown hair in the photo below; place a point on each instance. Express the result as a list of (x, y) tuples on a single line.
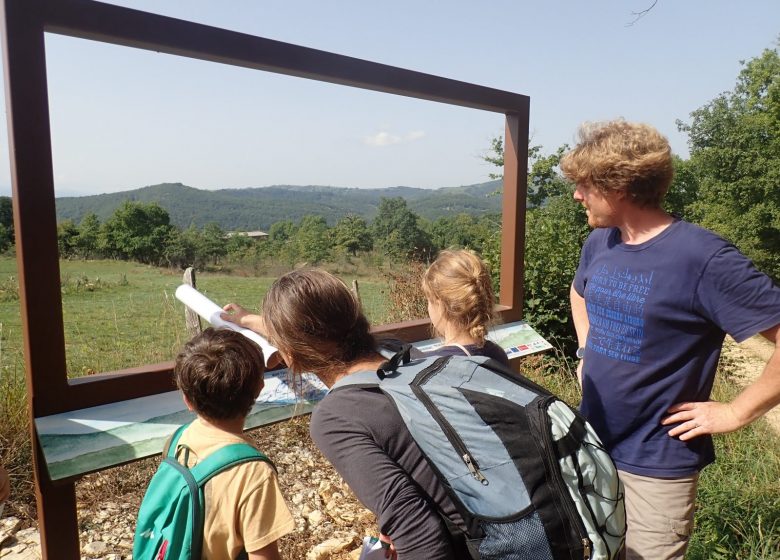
[(318, 326)]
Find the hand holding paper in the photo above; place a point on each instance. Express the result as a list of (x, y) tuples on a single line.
[(212, 313), (234, 313)]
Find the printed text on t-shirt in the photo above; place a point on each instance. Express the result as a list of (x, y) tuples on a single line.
[(615, 300)]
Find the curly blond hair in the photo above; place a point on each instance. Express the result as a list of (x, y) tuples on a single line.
[(619, 156), (460, 281)]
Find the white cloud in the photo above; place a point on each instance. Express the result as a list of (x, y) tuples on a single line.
[(385, 138)]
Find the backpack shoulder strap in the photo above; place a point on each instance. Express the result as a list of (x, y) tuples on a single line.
[(225, 458), (170, 447)]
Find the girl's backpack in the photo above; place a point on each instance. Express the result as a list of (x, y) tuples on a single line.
[(171, 517), (529, 475)]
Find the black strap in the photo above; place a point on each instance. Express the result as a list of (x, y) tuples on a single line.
[(572, 441), (400, 358)]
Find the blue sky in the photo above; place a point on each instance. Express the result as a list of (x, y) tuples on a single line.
[(123, 118)]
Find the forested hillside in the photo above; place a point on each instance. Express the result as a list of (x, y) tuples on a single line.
[(259, 208)]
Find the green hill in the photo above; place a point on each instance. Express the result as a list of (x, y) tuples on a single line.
[(258, 208)]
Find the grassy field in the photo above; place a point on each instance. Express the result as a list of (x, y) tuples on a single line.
[(120, 315)]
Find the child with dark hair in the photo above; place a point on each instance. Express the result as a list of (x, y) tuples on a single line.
[(460, 304), (220, 373)]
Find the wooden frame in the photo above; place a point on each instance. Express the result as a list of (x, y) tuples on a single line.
[(24, 23)]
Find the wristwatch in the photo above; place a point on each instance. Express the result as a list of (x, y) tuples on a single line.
[(580, 353)]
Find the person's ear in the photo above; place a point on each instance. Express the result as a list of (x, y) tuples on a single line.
[(187, 403)]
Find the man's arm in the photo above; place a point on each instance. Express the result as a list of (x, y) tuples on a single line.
[(579, 315), (700, 418)]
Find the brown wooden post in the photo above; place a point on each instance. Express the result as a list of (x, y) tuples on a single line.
[(513, 218), (191, 319), (37, 258)]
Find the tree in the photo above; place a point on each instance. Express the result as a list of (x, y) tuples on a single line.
[(461, 230), (684, 189), (312, 239), (137, 231), (243, 248), (554, 237), (280, 241), (6, 223), (734, 145), (5, 238), (543, 178), (67, 234), (351, 233), (397, 232), (88, 237), (211, 246), (181, 248)]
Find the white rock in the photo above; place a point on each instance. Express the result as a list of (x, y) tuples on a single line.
[(315, 518), (95, 548), (29, 536), (329, 547)]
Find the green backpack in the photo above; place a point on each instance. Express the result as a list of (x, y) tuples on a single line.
[(171, 517)]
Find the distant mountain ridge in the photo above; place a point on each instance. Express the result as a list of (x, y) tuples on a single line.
[(260, 207)]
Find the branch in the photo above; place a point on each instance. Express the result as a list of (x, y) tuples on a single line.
[(640, 15)]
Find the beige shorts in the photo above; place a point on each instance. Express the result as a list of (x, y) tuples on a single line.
[(659, 514)]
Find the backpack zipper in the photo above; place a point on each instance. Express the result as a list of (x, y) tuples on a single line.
[(452, 436), (571, 510)]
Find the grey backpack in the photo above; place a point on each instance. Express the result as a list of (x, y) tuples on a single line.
[(526, 471)]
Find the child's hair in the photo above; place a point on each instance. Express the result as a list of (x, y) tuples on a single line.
[(461, 282), (221, 373), (317, 322)]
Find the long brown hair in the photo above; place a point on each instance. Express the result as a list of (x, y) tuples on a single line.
[(317, 322)]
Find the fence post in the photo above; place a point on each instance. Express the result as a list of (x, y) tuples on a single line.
[(356, 290), (191, 319)]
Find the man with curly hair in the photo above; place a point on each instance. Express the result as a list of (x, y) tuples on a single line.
[(652, 301)]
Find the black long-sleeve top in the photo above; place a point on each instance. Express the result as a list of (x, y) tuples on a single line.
[(362, 434)]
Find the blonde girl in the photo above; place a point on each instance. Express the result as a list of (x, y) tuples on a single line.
[(461, 304)]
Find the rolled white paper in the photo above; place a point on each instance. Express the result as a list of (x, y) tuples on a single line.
[(211, 312)]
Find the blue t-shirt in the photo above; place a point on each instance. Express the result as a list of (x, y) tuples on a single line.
[(658, 314)]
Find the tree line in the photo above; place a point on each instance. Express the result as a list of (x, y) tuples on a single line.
[(143, 232)]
